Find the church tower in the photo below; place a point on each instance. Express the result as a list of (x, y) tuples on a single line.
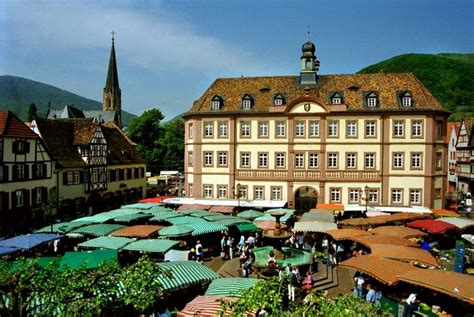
[(112, 95), (309, 64)]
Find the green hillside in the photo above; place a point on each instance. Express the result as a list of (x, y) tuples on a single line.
[(449, 77), (16, 93)]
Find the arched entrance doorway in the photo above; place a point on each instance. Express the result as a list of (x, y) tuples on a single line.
[(306, 197), (95, 203)]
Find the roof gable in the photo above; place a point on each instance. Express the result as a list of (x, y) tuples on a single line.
[(12, 126)]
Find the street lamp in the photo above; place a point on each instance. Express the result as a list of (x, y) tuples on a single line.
[(366, 198)]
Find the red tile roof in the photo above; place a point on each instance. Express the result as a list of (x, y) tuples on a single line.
[(384, 270), (11, 126), (353, 87), (451, 283), (403, 253)]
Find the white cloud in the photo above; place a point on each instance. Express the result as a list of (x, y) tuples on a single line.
[(155, 40)]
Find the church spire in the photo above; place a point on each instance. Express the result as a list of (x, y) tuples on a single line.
[(112, 95)]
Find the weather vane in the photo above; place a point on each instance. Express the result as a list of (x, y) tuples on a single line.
[(113, 35), (309, 37)]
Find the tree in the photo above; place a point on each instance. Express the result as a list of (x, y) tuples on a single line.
[(31, 112), (270, 295), (146, 132), (172, 145), (31, 289)]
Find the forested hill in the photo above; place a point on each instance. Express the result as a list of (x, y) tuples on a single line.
[(449, 77), (16, 93)]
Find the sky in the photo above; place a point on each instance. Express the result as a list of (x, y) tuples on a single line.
[(169, 52)]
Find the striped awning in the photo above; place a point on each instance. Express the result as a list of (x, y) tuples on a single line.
[(194, 206), (184, 274), (151, 245), (250, 214), (112, 243), (383, 239), (326, 216), (217, 217), (159, 217), (384, 270), (184, 220), (141, 206), (139, 231), (232, 221), (176, 231), (206, 227), (98, 230), (403, 253), (314, 226), (244, 227), (202, 213), (189, 211), (132, 217), (230, 286), (205, 306), (399, 231), (347, 234), (222, 209)]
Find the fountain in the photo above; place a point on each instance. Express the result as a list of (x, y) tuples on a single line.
[(277, 232)]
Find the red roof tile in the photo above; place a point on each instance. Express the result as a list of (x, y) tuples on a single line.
[(11, 126)]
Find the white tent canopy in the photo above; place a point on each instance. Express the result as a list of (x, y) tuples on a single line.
[(415, 209), (458, 222), (243, 203), (313, 226)]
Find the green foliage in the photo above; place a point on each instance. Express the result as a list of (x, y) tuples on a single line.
[(31, 112), (449, 77), (31, 289), (161, 145), (17, 93), (270, 294)]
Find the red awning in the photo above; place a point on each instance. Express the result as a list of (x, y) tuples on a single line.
[(222, 209), (194, 206), (157, 199), (432, 225)]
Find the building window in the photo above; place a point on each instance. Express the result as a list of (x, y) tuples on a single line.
[(243, 192), (247, 102), (299, 131), (280, 129), (76, 177), (354, 195), (216, 103), (370, 129), (222, 191), (417, 129), (245, 129), (313, 160), (259, 193), (336, 99), (415, 196), (335, 195), (278, 100), (333, 129), (373, 195), (280, 160), (332, 160), (19, 198), (416, 160), (223, 130), (125, 173), (369, 160), (207, 158), (190, 158), (222, 158), (117, 175), (371, 100), (109, 176), (190, 190), (351, 129), (397, 161), (314, 129), (244, 159), (276, 192), (208, 191), (397, 196), (21, 147), (38, 195), (263, 129), (405, 99), (190, 130), (20, 172), (263, 160), (299, 160), (208, 129), (439, 160), (398, 129), (439, 129), (39, 170), (351, 160)]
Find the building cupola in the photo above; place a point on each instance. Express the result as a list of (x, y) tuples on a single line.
[(309, 64)]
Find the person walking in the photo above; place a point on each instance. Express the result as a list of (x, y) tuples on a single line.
[(358, 287), (199, 252), (240, 245), (370, 296), (230, 247)]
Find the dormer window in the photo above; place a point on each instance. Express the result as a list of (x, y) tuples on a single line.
[(247, 102), (336, 99), (216, 103), (405, 99), (371, 100), (278, 100)]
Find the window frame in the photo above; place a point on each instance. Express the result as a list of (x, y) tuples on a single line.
[(258, 189), (245, 126), (335, 124), (278, 124), (260, 156), (311, 124), (417, 136), (366, 126), (247, 156), (329, 154), (262, 124), (347, 160), (412, 167), (400, 194), (299, 160), (208, 188), (354, 124), (208, 158), (366, 167), (316, 155), (278, 190), (278, 159), (220, 125), (419, 191), (208, 132), (222, 189), (402, 165), (300, 129), (335, 191), (395, 129), (225, 156), (350, 191)]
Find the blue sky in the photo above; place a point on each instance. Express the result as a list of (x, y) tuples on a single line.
[(169, 52)]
